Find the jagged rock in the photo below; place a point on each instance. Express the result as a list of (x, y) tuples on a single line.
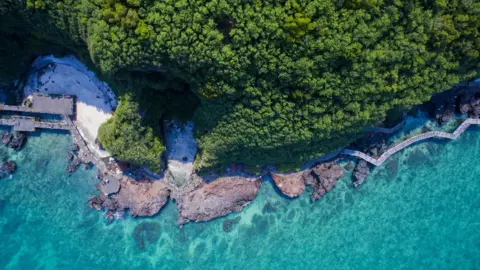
[(9, 167), (109, 216), (447, 114), (217, 198), (6, 137), (74, 164), (475, 111), (69, 157), (360, 173), (228, 224), (322, 178), (74, 147), (349, 166), (18, 140), (444, 105), (142, 198), (464, 101), (291, 184), (95, 202)]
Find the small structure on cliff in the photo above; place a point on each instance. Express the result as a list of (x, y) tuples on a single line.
[(53, 104), (110, 185)]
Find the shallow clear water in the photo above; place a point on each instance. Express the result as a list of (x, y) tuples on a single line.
[(421, 210)]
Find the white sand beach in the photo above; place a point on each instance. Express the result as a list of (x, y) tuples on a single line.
[(67, 75)]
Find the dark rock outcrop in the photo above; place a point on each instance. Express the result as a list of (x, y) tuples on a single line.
[(9, 167), (360, 173), (291, 184), (349, 166), (217, 198), (75, 162), (464, 102), (468, 98), (443, 105), (74, 147), (6, 137), (322, 178), (18, 140), (142, 198)]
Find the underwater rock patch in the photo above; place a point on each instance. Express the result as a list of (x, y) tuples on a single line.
[(228, 224), (269, 208), (417, 157), (392, 167), (146, 233)]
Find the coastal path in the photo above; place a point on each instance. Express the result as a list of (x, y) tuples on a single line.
[(432, 134), (26, 123)]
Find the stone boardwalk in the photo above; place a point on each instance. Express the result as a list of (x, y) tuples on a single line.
[(26, 123), (15, 108), (432, 134), (30, 123)]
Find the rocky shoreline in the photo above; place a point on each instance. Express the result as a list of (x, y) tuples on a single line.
[(201, 199)]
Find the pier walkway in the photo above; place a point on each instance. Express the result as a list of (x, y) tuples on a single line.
[(26, 123), (432, 134), (61, 105)]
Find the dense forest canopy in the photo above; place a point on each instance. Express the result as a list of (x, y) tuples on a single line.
[(266, 81), (126, 138)]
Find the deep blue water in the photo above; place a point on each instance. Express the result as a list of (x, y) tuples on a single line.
[(421, 210)]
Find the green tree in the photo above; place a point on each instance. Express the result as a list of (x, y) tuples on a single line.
[(127, 139)]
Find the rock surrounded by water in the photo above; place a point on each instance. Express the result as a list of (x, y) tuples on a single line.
[(291, 185), (322, 178), (216, 199), (14, 140), (142, 198), (360, 173)]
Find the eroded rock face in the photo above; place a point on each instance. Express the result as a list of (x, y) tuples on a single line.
[(323, 178), (361, 172), (217, 198), (142, 198), (6, 137), (17, 140), (9, 167), (291, 184), (444, 104)]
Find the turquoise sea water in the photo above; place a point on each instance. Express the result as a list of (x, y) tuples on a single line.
[(421, 210)]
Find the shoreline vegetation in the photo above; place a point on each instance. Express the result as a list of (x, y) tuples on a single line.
[(277, 82), (201, 198), (262, 82)]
